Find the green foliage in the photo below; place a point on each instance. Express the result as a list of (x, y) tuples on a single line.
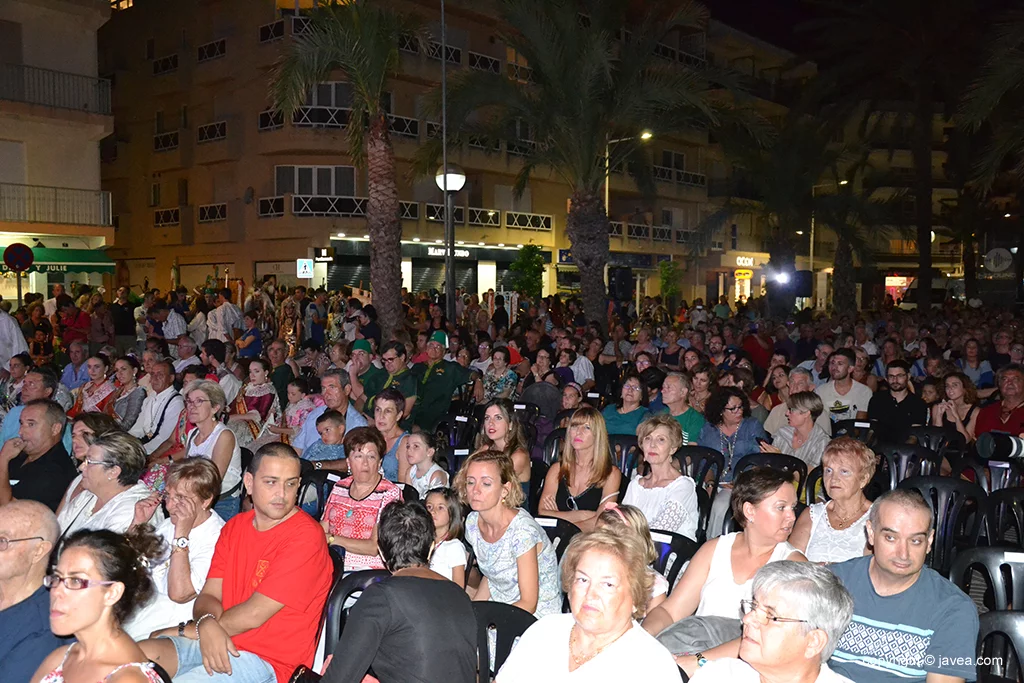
[(528, 271), (670, 278)]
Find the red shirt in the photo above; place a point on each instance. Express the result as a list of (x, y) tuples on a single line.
[(990, 420), (76, 328), (289, 564), (760, 355)]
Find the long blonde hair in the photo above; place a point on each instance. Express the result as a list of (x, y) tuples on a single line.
[(603, 465)]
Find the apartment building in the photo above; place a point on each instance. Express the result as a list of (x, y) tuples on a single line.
[(54, 111), (205, 176)]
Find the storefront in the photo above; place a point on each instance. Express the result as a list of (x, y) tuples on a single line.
[(629, 274), (69, 267), (737, 275)]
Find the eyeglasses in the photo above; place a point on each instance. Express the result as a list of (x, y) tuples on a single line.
[(196, 403), (73, 583), (899, 375), (733, 408), (630, 387), (389, 359), (764, 614), (87, 461), (4, 542)]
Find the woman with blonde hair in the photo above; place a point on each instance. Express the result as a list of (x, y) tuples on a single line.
[(513, 552), (628, 519), (584, 477), (501, 431)]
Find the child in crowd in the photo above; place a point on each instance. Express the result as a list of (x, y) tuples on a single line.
[(300, 404), (331, 428), (448, 558), (250, 344), (41, 350), (629, 519), (424, 473)]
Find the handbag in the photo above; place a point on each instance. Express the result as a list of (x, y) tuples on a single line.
[(303, 674)]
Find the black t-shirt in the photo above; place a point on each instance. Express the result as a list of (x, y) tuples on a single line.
[(998, 360), (44, 479), (896, 419), (124, 318), (499, 319), (371, 330)]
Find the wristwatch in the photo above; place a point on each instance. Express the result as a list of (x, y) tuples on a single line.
[(181, 542), (181, 629), (318, 465), (701, 659)]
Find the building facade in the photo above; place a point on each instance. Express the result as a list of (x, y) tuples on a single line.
[(54, 111)]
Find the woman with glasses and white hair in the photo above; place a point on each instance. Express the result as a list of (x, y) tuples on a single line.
[(801, 437), (213, 440), (791, 625)]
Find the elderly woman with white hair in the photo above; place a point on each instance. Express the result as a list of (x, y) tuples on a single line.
[(791, 625), (801, 437)]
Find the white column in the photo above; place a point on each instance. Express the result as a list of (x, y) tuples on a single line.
[(407, 273), (319, 276), (550, 285), (486, 276)]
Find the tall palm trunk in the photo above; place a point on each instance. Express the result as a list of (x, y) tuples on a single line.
[(844, 286), (384, 227), (587, 228), (922, 152), (970, 268)]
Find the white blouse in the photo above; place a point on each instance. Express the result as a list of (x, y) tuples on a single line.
[(667, 508), (828, 545)]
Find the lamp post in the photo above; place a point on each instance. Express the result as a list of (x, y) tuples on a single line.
[(644, 137), (450, 179), (811, 256)]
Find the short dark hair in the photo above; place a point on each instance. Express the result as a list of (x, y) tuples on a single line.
[(300, 383), (392, 394), (54, 411), (331, 416), (226, 293), (754, 485), (899, 364), (216, 349), (396, 346), (48, 376), (846, 353), (714, 409), (361, 436), (405, 535), (271, 450)]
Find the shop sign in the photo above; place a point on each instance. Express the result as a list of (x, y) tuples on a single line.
[(441, 251), (745, 261), (323, 254), (744, 275), (304, 268), (891, 281)]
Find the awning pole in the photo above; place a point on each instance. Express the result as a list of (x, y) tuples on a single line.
[(17, 275)]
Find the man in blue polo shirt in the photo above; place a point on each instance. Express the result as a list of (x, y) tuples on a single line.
[(909, 623)]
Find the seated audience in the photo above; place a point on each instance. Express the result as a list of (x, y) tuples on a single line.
[(448, 555), (258, 614), (896, 409), (110, 485), (328, 452), (415, 621), (96, 395), (353, 508), (28, 534), (190, 534), (584, 477), (799, 381), (387, 418), (500, 430), (675, 394), (115, 568), (160, 410), (802, 437), (40, 383), (791, 625), (35, 465), (630, 410), (834, 531), (515, 557), (128, 395), (703, 611), (423, 472), (1007, 414), (605, 577), (909, 622), (215, 441), (666, 497), (958, 412), (627, 519)]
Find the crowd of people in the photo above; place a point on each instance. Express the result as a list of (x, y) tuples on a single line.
[(153, 449)]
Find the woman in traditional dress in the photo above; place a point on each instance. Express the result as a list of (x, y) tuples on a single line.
[(96, 394), (257, 406)]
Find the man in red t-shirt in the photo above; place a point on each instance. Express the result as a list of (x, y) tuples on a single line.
[(75, 323), (1008, 414), (758, 344), (258, 615)]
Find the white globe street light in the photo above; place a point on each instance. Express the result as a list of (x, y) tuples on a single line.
[(450, 178)]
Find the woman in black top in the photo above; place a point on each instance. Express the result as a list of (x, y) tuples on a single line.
[(414, 626)]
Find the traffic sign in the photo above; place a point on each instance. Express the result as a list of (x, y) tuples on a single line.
[(19, 257), (997, 260), (304, 268)]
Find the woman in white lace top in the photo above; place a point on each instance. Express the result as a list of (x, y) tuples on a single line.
[(834, 531)]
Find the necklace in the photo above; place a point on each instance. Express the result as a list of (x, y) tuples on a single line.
[(581, 660), (843, 520)]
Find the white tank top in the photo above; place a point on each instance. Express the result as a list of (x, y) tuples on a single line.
[(422, 483), (828, 545), (233, 475), (720, 596)]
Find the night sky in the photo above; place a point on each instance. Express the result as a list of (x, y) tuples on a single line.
[(771, 20)]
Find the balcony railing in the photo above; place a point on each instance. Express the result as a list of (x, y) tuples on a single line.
[(39, 204), (163, 218), (403, 126), (435, 212), (165, 142), (214, 50), (317, 205), (32, 85), (638, 231), (212, 132), (615, 229), (453, 54), (270, 120), (409, 211), (484, 63), (273, 31), (321, 117), (165, 65), (528, 221), (213, 213), (485, 218), (661, 233), (270, 207)]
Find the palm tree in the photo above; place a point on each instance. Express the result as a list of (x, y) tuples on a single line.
[(594, 76), (909, 59), (359, 38)]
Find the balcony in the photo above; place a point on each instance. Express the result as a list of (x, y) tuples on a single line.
[(54, 205), (213, 213), (32, 85)]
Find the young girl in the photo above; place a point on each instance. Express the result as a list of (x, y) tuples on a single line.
[(300, 405), (629, 519), (423, 474), (448, 558)]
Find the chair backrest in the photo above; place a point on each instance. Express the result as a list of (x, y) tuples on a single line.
[(1000, 634), (862, 430), (1002, 570), (704, 510), (559, 531), (1003, 523), (815, 487), (459, 430), (349, 585), (553, 445), (247, 457), (456, 456), (946, 443), (409, 493), (907, 460), (508, 624), (319, 482), (776, 461), (595, 399), (538, 471), (957, 507), (991, 475), (697, 462), (624, 452), (674, 550), (530, 434), (563, 416), (527, 412)]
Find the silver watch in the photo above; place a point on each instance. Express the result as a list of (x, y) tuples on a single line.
[(181, 542)]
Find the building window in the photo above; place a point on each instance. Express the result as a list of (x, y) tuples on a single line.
[(666, 217), (158, 122), (674, 160), (182, 191), (150, 49), (322, 181), (154, 194), (330, 94), (184, 117), (734, 237)]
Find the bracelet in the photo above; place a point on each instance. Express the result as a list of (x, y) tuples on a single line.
[(330, 539), (200, 620)]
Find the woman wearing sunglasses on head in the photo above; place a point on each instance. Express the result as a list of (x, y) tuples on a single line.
[(99, 579)]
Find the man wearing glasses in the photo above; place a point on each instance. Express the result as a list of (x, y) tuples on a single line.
[(790, 628), (28, 532), (895, 408)]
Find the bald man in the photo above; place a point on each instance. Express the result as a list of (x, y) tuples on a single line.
[(29, 531)]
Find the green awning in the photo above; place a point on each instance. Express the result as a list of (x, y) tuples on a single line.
[(68, 261)]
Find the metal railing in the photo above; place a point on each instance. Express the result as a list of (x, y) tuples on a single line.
[(484, 62), (213, 213), (453, 54), (485, 218), (615, 228), (409, 211), (30, 84), (321, 205), (165, 142), (270, 120), (270, 207), (213, 50), (268, 33), (212, 132), (321, 117), (528, 221), (40, 204), (435, 212), (403, 126)]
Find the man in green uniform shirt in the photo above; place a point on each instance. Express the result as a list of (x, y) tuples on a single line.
[(438, 380), (285, 369), (393, 355), (366, 378), (675, 392)]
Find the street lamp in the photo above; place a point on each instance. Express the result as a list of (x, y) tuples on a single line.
[(644, 136), (450, 179)]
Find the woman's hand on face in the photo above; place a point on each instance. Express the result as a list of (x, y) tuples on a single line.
[(145, 508), (768, 448)]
